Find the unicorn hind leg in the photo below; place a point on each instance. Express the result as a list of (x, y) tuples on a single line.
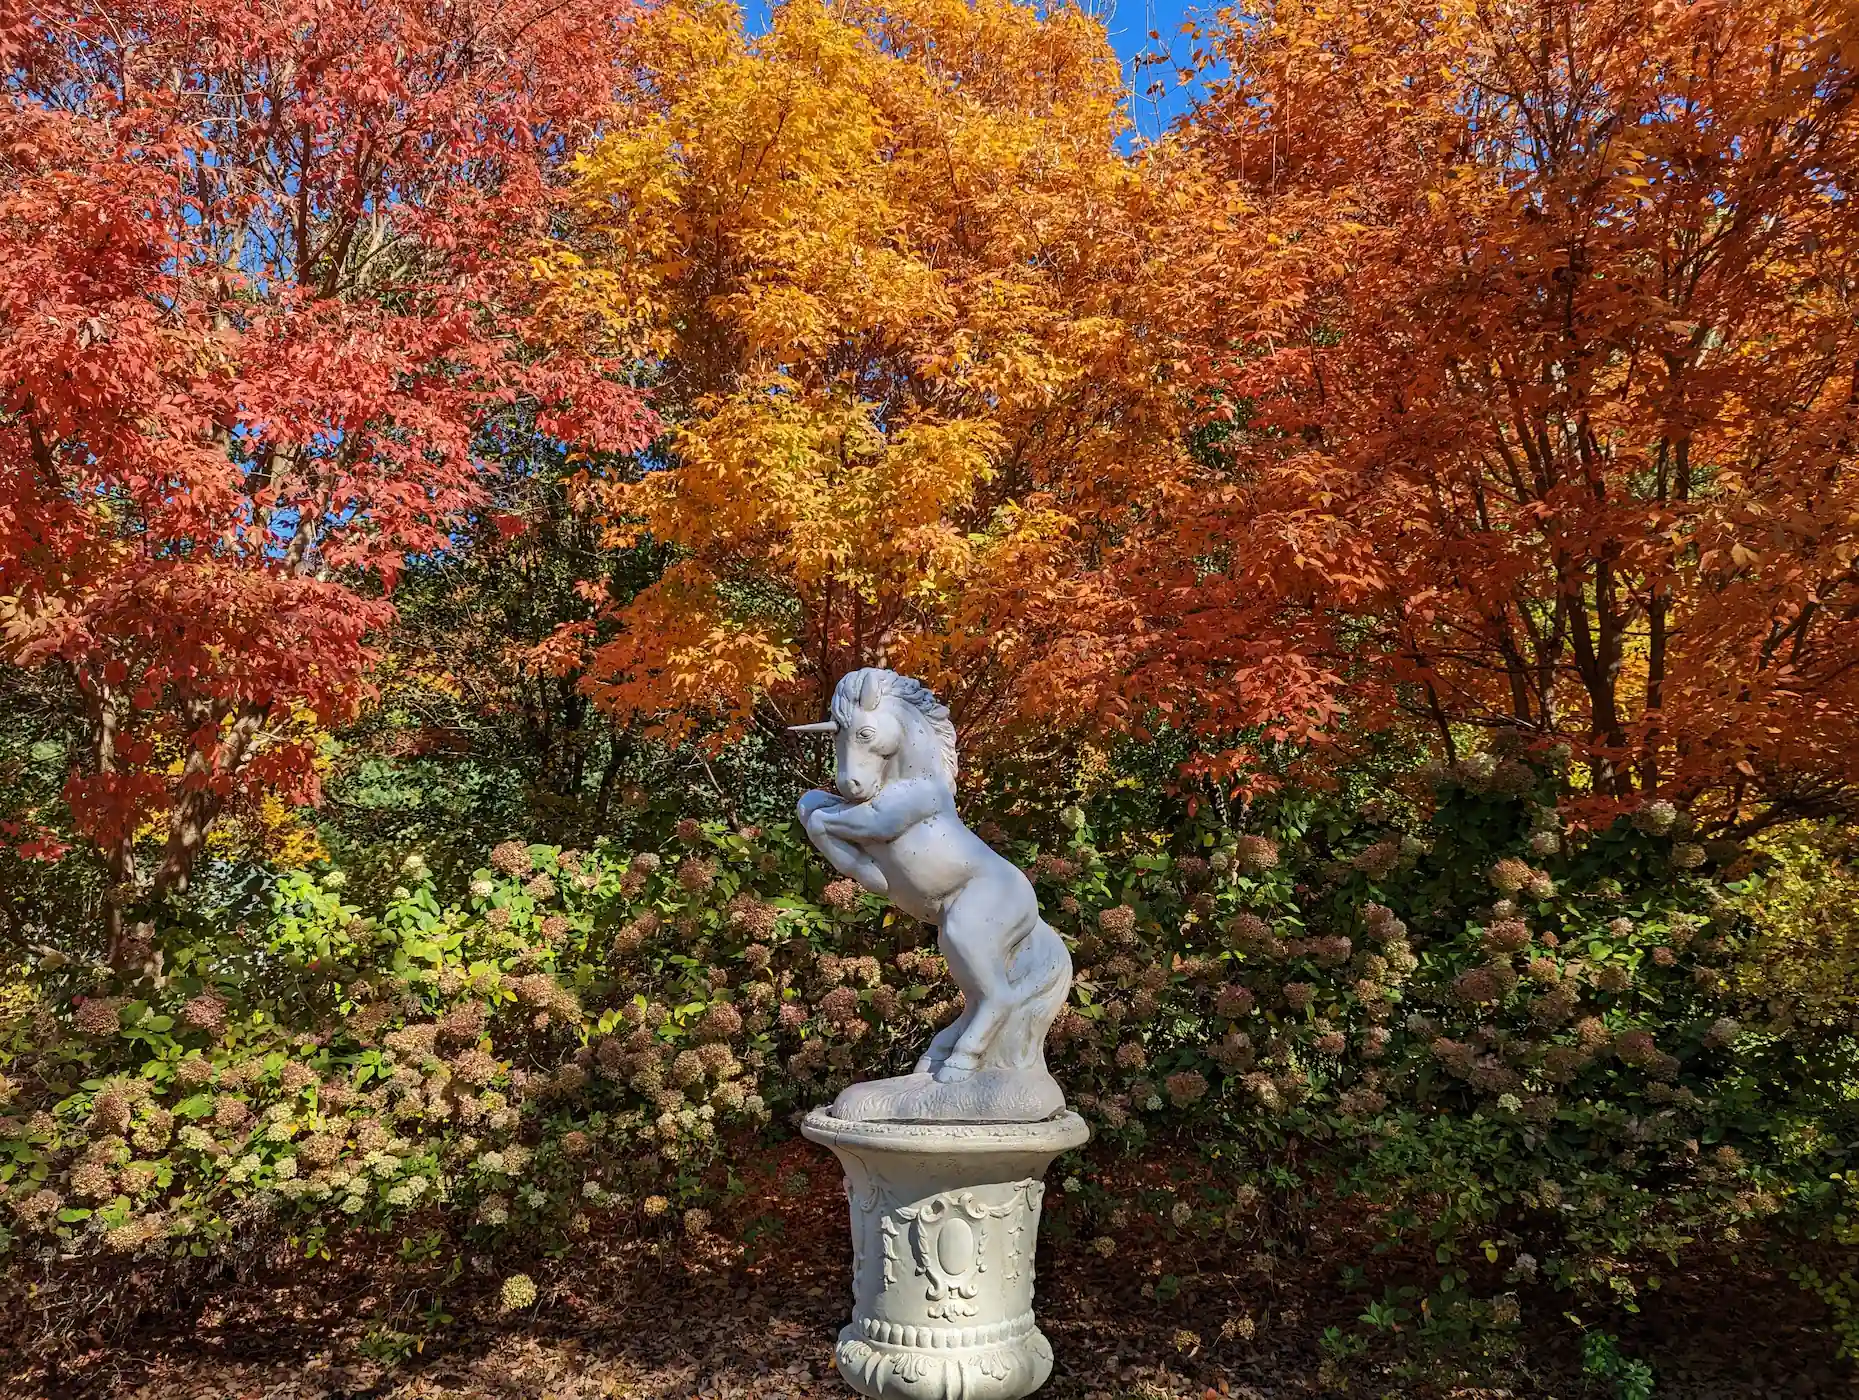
[(1042, 981), (982, 929)]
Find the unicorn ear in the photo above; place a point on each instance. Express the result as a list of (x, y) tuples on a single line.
[(869, 694), (825, 726)]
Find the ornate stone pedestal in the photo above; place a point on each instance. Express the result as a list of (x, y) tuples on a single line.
[(945, 1217)]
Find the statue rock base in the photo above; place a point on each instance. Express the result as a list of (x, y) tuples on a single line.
[(945, 1219)]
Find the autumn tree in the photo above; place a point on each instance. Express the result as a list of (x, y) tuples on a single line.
[(1529, 330), (465, 674), (892, 274), (266, 280)]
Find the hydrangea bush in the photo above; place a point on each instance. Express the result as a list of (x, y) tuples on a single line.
[(1513, 1047)]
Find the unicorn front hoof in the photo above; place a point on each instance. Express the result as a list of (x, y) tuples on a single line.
[(956, 1068)]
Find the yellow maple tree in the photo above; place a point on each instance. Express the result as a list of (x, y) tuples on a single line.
[(893, 280)]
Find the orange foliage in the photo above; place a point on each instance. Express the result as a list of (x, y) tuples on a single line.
[(1537, 326), (893, 276)]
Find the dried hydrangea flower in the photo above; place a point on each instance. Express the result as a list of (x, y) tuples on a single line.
[(100, 1015), (1255, 853), (841, 894), (512, 858), (1118, 922), (518, 1291), (1510, 875)]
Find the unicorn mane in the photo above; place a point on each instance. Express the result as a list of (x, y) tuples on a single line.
[(911, 692)]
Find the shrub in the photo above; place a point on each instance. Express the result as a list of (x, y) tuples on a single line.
[(1543, 1075)]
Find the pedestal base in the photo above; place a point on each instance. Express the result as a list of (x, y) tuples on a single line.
[(945, 1219), (986, 1096)]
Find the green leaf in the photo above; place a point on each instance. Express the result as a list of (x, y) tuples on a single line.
[(196, 1106)]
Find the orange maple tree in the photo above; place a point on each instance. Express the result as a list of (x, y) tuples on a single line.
[(894, 279), (1530, 334), (265, 283)]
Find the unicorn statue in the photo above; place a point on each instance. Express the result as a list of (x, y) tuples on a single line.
[(892, 826)]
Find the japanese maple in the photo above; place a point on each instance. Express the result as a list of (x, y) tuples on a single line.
[(266, 279), (1531, 329)]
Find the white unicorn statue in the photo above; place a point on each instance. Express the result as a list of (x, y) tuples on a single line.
[(892, 826)]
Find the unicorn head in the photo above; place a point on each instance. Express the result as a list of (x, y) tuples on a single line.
[(886, 727)]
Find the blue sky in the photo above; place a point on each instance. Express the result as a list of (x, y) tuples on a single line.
[(1129, 23)]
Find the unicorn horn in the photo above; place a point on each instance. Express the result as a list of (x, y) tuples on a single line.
[(825, 726)]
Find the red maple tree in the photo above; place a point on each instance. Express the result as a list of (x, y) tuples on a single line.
[(267, 282)]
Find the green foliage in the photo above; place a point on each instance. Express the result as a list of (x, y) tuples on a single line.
[(1628, 1378), (1512, 1049), (1803, 895)]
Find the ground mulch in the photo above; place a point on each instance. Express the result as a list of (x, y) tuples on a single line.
[(625, 1319)]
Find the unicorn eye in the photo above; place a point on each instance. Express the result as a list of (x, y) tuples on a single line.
[(867, 734)]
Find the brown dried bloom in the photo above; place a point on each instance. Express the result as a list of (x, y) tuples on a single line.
[(1248, 933), (840, 1006), (295, 1077), (205, 1012), (752, 916), (686, 1068), (1613, 978), (840, 894), (1378, 860), (415, 1041), (1507, 936), (1636, 1047), (696, 874), (476, 1067), (1510, 875), (1118, 923), (721, 1022), (194, 1071), (1234, 1002), (512, 858), (110, 1111), (1185, 1087), (100, 1015), (1477, 987), (463, 1022), (1255, 853)]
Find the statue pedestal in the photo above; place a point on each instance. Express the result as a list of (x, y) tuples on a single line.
[(945, 1217)]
